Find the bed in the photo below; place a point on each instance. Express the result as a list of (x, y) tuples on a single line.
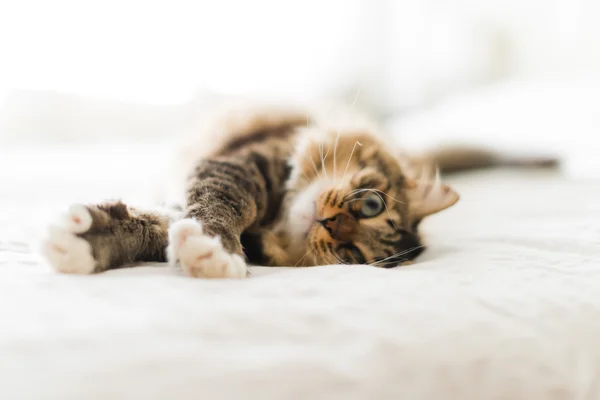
[(504, 304)]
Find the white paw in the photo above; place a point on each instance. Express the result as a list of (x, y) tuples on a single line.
[(201, 256), (63, 249), (78, 219)]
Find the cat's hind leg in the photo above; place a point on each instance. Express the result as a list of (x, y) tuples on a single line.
[(96, 238)]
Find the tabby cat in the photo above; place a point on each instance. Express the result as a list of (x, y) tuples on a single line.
[(273, 189)]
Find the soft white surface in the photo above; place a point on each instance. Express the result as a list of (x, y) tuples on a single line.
[(504, 305)]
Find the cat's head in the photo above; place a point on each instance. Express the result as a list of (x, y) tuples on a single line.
[(353, 202)]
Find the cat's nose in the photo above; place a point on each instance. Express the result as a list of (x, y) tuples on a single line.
[(341, 226)]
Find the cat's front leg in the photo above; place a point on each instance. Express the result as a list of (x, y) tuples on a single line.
[(201, 255), (225, 196), (63, 247), (95, 238)]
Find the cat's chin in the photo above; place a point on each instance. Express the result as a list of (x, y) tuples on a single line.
[(301, 226), (302, 213)]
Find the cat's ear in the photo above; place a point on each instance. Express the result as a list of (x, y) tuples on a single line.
[(428, 197)]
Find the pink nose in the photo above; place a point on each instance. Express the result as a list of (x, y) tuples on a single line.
[(340, 227)]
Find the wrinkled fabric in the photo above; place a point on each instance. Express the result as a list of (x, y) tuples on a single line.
[(505, 303)]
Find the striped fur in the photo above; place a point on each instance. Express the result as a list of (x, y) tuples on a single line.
[(279, 189)]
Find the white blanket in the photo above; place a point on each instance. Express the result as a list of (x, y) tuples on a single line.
[(505, 304)]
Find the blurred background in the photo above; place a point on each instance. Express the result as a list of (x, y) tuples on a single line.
[(518, 74)]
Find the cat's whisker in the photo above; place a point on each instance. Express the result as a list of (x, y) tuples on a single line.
[(322, 261), (321, 157), (307, 156), (326, 154), (319, 258), (336, 259), (323, 161), (322, 143), (305, 176), (340, 261), (337, 137), (372, 190), (394, 263), (302, 259), (400, 253), (350, 159)]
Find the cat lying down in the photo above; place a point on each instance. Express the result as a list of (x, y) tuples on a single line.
[(274, 188)]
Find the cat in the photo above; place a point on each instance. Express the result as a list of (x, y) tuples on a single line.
[(278, 189)]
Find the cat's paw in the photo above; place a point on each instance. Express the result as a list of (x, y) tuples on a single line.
[(200, 255), (63, 249)]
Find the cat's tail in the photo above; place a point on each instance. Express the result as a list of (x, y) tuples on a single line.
[(456, 159)]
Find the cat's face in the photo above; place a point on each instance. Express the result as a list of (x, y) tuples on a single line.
[(355, 204)]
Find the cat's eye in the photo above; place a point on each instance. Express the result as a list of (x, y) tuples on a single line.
[(371, 206)]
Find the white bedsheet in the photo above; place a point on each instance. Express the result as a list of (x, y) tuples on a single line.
[(504, 305)]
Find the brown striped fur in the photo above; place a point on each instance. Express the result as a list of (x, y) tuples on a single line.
[(281, 189)]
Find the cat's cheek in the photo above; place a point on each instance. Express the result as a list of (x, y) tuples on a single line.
[(319, 238)]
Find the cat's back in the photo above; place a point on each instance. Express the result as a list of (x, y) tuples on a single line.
[(227, 131)]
